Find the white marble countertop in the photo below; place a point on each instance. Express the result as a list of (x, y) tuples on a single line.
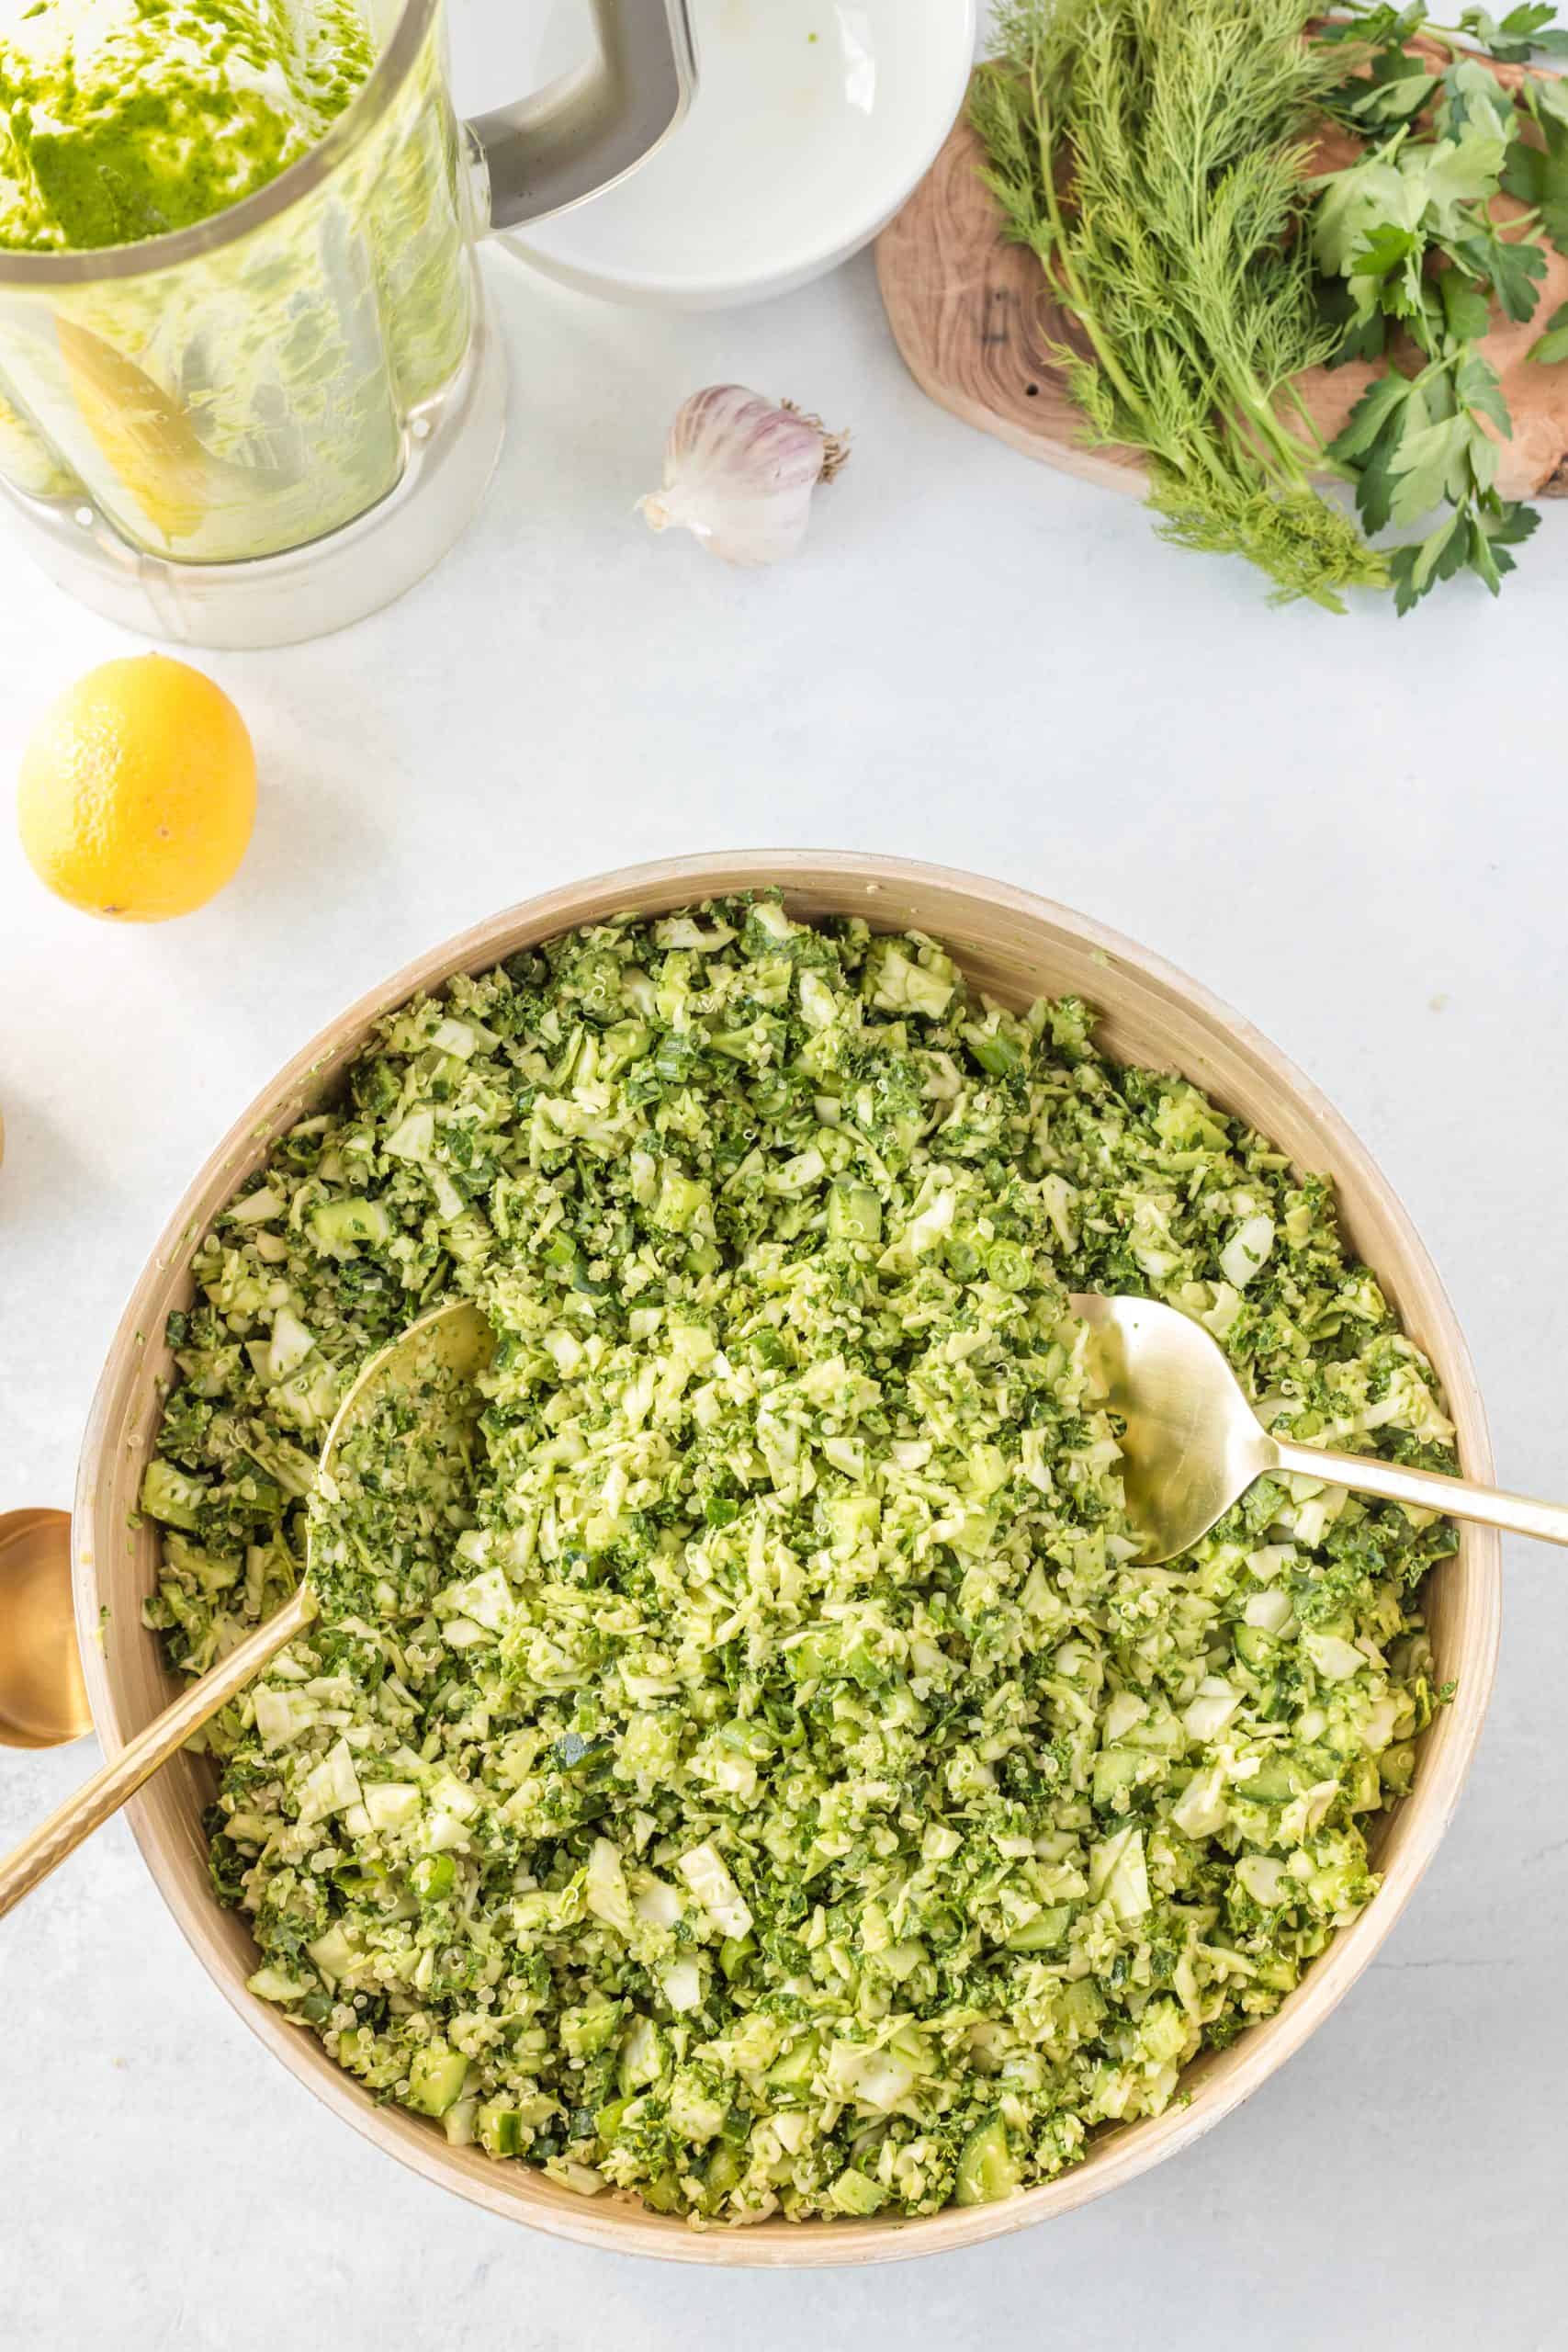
[(1355, 829)]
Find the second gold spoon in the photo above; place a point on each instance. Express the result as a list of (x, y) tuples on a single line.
[(1192, 1444)]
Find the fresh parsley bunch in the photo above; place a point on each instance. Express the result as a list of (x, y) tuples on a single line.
[(1409, 249)]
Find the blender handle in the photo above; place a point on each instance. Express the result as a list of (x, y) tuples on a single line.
[(546, 152)]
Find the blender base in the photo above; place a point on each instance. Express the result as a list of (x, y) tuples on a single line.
[(453, 444)]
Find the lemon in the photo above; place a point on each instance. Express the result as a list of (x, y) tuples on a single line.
[(139, 791)]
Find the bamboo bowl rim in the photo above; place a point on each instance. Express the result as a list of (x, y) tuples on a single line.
[(979, 919)]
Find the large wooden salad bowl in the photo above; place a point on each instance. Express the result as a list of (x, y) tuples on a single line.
[(1016, 946)]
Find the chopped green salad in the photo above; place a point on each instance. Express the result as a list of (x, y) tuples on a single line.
[(753, 1769)]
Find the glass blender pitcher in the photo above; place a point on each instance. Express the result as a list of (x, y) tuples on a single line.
[(264, 426)]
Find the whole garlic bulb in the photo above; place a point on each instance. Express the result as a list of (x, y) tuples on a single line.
[(739, 472)]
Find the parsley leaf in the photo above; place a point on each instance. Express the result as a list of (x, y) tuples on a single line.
[(1465, 308), (1479, 388), (1383, 397), (1430, 464), (1371, 437), (1415, 444), (1539, 176), (1463, 171), (1513, 270), (1391, 256), (1397, 89), (1545, 95), (1471, 94), (1512, 39), (1358, 335), (1476, 539), (1380, 24), (1420, 567), (1550, 349), (1492, 533)]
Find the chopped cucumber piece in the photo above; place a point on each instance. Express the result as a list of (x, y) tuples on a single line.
[(500, 2129), (169, 1494), (1047, 1931), (436, 2076), (988, 2169), (857, 2192), (338, 1223), (855, 1213)]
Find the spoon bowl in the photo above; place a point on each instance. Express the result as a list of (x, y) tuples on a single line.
[(432, 1368), (454, 1341), (1192, 1445), (43, 1701)]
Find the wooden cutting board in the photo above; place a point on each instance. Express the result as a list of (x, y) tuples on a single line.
[(975, 324), (974, 321)]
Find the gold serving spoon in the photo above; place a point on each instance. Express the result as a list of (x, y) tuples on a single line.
[(1194, 1444), (43, 1701), (454, 1341)]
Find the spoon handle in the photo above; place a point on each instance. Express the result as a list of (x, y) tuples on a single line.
[(107, 1790), (1364, 1474)]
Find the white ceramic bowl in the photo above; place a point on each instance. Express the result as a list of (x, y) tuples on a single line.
[(813, 121)]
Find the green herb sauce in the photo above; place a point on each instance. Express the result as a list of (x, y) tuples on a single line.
[(122, 119)]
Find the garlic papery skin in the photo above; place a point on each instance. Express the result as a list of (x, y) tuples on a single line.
[(739, 472)]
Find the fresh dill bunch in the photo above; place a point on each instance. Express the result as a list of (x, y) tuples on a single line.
[(1153, 153)]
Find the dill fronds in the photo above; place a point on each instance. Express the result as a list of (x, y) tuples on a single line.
[(1153, 153)]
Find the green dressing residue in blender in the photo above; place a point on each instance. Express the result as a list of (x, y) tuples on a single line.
[(122, 119)]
